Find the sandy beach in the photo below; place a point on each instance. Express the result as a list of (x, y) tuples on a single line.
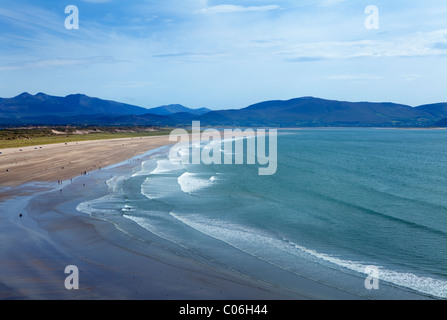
[(64, 161), (42, 232), (51, 235)]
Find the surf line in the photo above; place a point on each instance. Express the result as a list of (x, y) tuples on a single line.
[(206, 147)]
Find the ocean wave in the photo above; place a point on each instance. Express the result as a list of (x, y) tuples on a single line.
[(114, 183), (150, 226), (147, 167), (192, 182), (165, 166), (158, 187), (105, 206), (266, 247), (427, 285)]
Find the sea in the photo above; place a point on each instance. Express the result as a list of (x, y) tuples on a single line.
[(346, 207)]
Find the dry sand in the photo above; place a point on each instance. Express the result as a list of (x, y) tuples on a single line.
[(64, 161)]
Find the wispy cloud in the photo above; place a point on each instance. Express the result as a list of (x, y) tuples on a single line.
[(227, 8), (130, 84), (421, 44), (176, 54), (96, 1), (56, 62), (122, 47), (355, 77), (31, 18), (199, 55), (330, 3), (411, 77)]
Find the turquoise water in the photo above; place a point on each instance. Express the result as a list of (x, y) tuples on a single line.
[(341, 200)]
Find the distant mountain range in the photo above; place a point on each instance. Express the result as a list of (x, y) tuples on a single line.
[(177, 108), (309, 111), (78, 109), (26, 105)]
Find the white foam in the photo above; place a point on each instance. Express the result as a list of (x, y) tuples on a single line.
[(193, 182), (146, 168), (128, 208), (431, 286), (249, 240), (114, 183), (106, 205), (145, 223), (183, 153), (264, 246), (152, 226), (165, 166), (158, 187)]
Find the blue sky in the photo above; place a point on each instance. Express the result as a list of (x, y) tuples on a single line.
[(225, 54)]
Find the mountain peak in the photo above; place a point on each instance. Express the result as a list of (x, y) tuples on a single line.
[(42, 105), (304, 111), (176, 108), (42, 95), (23, 95), (309, 98), (76, 95)]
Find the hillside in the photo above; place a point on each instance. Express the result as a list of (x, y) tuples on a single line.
[(79, 110), (309, 111), (176, 108), (26, 105)]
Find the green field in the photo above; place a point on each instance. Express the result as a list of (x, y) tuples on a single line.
[(31, 137)]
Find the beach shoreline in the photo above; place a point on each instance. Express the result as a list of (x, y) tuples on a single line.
[(64, 161), (51, 234)]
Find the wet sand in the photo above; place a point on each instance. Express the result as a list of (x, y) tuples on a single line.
[(42, 232), (50, 235)]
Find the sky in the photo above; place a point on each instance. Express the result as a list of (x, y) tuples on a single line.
[(223, 54)]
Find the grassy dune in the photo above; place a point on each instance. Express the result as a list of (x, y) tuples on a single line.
[(23, 137)]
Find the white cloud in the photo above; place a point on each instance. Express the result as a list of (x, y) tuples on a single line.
[(421, 44), (227, 8), (31, 18), (324, 38)]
